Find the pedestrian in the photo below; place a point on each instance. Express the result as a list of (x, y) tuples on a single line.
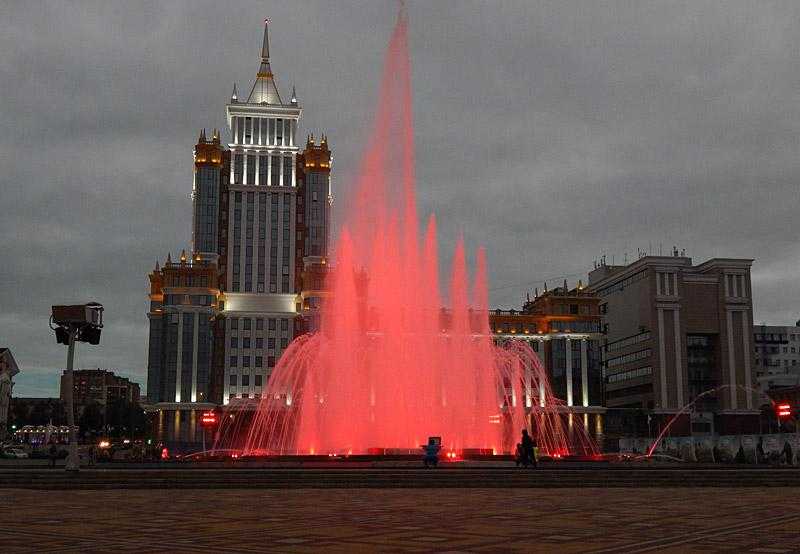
[(528, 449), (788, 454), (53, 453)]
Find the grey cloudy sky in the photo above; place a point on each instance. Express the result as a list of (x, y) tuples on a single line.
[(552, 132)]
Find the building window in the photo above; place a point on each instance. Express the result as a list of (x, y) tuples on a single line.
[(246, 342), (234, 342), (245, 380), (271, 343), (251, 170), (233, 361), (246, 324), (245, 361), (259, 343), (258, 379), (287, 171), (270, 361), (238, 167), (232, 380), (272, 324), (234, 323), (260, 324), (259, 361)]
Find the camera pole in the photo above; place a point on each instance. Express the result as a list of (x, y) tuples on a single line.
[(72, 462)]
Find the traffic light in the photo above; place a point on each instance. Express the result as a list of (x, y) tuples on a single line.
[(783, 411)]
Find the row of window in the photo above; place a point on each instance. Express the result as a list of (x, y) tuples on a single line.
[(627, 341), (234, 380), (263, 131), (247, 323), (775, 363), (630, 374), (257, 343), (775, 349), (273, 170), (774, 337), (735, 286), (232, 395), (628, 358), (258, 361), (666, 284)]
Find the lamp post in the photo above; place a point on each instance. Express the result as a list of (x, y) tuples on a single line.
[(72, 463), (80, 322)]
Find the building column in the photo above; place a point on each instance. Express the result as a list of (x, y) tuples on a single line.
[(179, 358), (746, 335), (568, 347), (584, 372), (662, 365), (280, 175), (194, 355), (546, 372), (678, 357), (269, 168), (527, 384), (258, 165), (244, 168), (731, 363), (294, 169)]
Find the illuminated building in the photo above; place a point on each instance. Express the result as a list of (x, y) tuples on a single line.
[(221, 317), (563, 327), (8, 369)]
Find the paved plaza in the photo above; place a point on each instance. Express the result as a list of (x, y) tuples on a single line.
[(763, 521)]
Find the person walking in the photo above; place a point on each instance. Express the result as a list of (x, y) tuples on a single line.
[(52, 453), (788, 454), (528, 449)]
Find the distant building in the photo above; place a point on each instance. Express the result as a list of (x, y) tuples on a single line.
[(563, 327), (777, 355), (674, 330), (99, 386), (8, 369)]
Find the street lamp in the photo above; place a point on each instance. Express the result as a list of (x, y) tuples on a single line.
[(80, 322)]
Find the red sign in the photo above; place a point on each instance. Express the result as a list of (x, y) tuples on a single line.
[(209, 419), (783, 410)]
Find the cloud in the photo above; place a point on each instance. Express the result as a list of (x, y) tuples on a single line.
[(549, 132)]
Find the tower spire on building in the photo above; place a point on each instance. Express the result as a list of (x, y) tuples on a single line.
[(294, 95), (264, 90), (234, 94)]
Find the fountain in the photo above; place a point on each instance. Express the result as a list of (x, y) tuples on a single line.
[(393, 363)]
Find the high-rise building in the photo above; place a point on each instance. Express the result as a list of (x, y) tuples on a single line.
[(677, 333), (777, 355), (221, 317)]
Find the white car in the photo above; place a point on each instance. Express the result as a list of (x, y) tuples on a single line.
[(15, 453)]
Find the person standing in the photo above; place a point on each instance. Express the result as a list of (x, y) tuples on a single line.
[(528, 449)]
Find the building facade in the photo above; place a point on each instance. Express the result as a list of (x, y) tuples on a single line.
[(98, 386), (8, 369), (563, 327), (221, 317), (677, 333), (777, 355)]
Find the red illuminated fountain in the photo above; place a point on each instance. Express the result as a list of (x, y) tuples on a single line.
[(392, 363)]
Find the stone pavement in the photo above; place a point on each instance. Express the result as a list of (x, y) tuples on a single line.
[(765, 521)]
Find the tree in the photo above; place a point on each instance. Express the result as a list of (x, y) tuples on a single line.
[(91, 420)]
